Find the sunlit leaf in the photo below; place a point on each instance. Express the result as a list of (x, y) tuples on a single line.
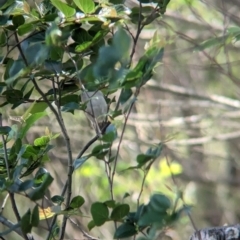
[(87, 6), (64, 8)]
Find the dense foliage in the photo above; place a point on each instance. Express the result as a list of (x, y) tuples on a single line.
[(50, 52)]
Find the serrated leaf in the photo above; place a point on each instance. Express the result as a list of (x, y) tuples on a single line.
[(99, 213)]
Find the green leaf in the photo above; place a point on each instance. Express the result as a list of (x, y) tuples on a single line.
[(64, 8), (53, 35), (160, 203), (35, 217), (18, 20), (25, 28), (5, 130), (110, 203), (57, 199), (155, 211), (119, 212), (126, 195), (79, 162), (87, 6), (25, 185), (216, 41), (35, 107), (77, 202), (99, 213), (3, 39), (125, 230), (42, 141), (29, 122), (13, 95), (25, 223), (91, 225), (40, 176), (125, 95), (73, 98), (39, 192), (143, 158), (122, 42), (36, 54), (110, 134), (101, 150), (70, 107)]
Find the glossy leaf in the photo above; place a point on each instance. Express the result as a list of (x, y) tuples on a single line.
[(5, 130), (57, 199), (77, 202)]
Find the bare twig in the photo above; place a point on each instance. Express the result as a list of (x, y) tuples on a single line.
[(86, 235), (10, 225), (189, 93)]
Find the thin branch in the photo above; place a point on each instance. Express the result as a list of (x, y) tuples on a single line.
[(189, 93), (87, 236), (65, 135), (18, 43), (4, 203), (181, 196), (11, 225), (80, 154)]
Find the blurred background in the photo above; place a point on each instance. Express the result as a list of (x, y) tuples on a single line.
[(191, 103)]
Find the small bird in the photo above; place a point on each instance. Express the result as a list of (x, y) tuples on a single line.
[(96, 110)]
